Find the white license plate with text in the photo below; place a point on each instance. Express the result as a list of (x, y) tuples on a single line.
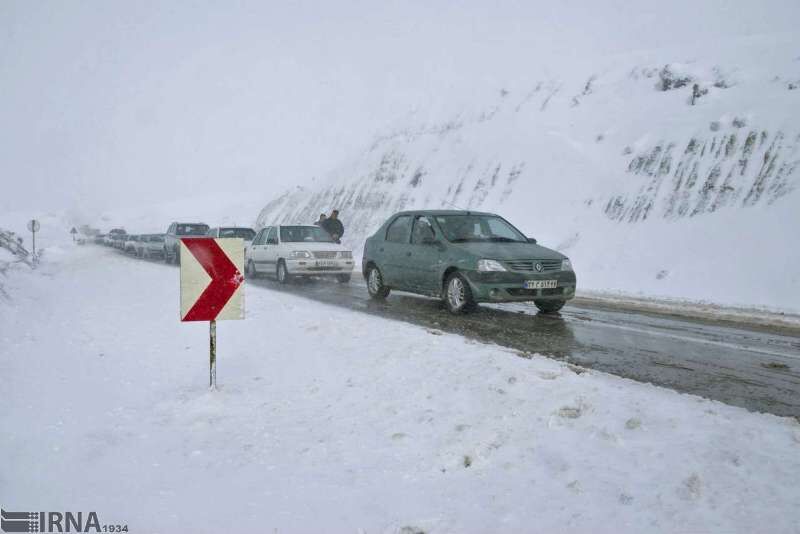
[(326, 263), (541, 284)]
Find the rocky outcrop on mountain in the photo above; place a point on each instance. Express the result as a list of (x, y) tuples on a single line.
[(737, 167), (666, 141)]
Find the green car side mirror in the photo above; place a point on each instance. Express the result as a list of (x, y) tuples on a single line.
[(532, 240)]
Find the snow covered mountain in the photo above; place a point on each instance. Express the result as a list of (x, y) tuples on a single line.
[(665, 173)]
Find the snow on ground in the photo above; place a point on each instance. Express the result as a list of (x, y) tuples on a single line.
[(335, 421)]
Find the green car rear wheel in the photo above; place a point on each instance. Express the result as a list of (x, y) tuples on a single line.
[(377, 290)]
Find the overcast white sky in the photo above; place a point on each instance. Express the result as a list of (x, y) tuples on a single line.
[(105, 103)]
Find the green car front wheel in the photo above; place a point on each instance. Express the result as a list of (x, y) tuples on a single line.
[(458, 295)]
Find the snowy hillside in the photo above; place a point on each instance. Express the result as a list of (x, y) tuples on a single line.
[(664, 173)]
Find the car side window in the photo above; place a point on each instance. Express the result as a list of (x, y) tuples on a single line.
[(171, 229), (422, 231), (272, 237), (399, 229)]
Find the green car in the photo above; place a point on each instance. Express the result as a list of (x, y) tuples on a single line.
[(464, 257)]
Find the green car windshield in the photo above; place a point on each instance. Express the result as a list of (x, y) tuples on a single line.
[(298, 234), (486, 228)]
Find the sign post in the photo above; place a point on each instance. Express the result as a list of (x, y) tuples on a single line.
[(33, 226), (73, 232), (212, 356), (211, 286)]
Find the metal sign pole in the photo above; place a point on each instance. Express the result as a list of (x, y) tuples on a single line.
[(212, 378), (33, 226)]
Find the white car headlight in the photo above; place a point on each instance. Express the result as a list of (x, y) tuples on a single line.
[(300, 254), (566, 265), (490, 265)]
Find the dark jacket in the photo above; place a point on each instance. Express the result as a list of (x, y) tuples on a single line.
[(333, 227)]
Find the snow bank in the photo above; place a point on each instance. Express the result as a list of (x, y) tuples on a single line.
[(330, 420)]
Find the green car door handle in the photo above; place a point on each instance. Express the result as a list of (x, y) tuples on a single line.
[(408, 254)]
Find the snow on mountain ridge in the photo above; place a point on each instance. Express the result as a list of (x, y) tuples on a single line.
[(572, 158), (725, 169)]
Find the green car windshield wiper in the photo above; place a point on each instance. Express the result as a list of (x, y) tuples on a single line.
[(499, 239)]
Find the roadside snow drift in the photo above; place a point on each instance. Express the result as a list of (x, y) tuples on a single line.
[(329, 420)]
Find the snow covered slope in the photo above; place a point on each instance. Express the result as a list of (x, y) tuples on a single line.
[(390, 428), (670, 172)]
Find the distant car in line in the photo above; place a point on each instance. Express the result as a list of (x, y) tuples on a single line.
[(99, 239), (150, 245), (463, 258), (289, 251), (118, 241), (176, 232), (131, 242), (111, 237), (247, 234)]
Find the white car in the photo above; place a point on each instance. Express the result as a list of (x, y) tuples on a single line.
[(297, 250)]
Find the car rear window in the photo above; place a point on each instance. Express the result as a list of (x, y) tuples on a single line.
[(399, 230), (245, 233), (191, 229)]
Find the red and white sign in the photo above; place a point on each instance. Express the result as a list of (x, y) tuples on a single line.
[(211, 279)]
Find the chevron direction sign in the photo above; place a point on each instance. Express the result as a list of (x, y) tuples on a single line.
[(211, 279)]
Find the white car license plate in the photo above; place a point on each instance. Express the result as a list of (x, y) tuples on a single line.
[(541, 284), (326, 263)]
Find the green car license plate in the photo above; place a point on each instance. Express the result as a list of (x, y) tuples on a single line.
[(541, 284)]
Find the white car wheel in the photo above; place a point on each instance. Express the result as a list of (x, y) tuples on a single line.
[(282, 273)]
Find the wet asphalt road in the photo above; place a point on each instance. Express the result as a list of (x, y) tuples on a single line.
[(755, 369)]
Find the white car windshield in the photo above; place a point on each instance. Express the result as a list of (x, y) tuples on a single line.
[(307, 234)]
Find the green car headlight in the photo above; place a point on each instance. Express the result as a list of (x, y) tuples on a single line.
[(566, 265), (300, 254), (490, 265)]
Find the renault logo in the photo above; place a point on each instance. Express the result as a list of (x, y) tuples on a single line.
[(538, 267)]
